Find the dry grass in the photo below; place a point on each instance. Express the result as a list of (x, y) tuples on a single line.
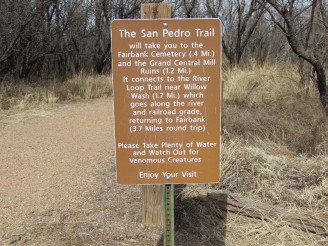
[(262, 171), (268, 103), (265, 172), (274, 150), (247, 231), (265, 86), (20, 95), (271, 173)]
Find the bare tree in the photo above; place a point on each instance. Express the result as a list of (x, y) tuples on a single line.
[(267, 43), (104, 12), (59, 37), (304, 24), (188, 8), (239, 18)]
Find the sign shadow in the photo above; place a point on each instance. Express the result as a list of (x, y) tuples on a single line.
[(198, 223)]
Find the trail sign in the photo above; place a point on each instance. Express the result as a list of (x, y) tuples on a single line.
[(167, 100)]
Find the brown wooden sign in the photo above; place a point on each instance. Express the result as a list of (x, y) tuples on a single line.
[(167, 100)]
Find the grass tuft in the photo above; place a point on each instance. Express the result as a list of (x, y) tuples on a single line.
[(272, 173), (21, 95), (269, 103), (265, 86)]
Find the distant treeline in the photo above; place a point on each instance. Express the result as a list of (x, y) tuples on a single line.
[(59, 38)]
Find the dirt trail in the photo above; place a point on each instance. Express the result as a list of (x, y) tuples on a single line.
[(57, 174)]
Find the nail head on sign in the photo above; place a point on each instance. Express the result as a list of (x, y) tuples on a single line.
[(165, 25)]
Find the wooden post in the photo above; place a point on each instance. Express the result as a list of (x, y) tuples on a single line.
[(152, 210), (155, 10)]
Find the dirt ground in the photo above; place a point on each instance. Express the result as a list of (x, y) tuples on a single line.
[(57, 180)]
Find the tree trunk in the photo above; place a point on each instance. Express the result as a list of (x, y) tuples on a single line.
[(321, 83)]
